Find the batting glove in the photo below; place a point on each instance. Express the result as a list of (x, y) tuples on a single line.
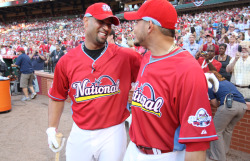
[(53, 144)]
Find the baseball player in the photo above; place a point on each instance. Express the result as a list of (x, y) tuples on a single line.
[(171, 114), (97, 76)]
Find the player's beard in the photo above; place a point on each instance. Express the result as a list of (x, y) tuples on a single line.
[(100, 41), (140, 36), (139, 40)]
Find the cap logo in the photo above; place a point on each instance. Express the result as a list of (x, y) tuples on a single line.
[(106, 8)]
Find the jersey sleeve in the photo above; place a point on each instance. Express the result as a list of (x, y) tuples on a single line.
[(194, 110), (60, 86)]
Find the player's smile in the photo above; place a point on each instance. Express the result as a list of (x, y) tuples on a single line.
[(102, 35)]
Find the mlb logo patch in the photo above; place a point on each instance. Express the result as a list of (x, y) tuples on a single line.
[(201, 118), (106, 8)]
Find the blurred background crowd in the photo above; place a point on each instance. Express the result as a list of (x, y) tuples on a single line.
[(225, 29)]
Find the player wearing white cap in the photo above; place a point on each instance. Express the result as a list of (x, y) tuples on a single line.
[(170, 103), (97, 76)]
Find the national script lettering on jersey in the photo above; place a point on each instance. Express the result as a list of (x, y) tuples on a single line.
[(151, 105), (87, 90)]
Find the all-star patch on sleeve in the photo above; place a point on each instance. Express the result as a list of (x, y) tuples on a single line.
[(195, 111)]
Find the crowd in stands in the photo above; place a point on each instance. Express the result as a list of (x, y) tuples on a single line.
[(226, 30)]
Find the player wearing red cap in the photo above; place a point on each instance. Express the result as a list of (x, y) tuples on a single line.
[(97, 76), (171, 114)]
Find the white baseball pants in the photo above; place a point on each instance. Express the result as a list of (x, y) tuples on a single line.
[(133, 154), (107, 144)]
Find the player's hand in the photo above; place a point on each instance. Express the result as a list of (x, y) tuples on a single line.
[(53, 144)]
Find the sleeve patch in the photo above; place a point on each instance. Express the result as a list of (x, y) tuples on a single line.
[(201, 118)]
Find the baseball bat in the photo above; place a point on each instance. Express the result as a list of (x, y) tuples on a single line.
[(59, 139)]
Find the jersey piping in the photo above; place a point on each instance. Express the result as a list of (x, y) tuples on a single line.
[(198, 137), (153, 60)]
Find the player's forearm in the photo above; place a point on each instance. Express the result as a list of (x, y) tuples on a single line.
[(55, 112), (196, 155)]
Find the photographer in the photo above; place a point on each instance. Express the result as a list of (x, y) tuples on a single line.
[(240, 68), (207, 61), (37, 61)]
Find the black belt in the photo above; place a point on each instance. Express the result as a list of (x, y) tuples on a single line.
[(147, 150), (242, 86)]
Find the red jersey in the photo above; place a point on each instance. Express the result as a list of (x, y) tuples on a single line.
[(205, 67), (171, 95), (98, 88)]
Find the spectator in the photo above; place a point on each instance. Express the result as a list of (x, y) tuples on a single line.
[(37, 60), (192, 46), (209, 38), (241, 37), (226, 116), (247, 35), (220, 27), (52, 46), (207, 61), (27, 76), (240, 68), (111, 38), (232, 46), (224, 60), (245, 25), (56, 55), (231, 30), (180, 41), (198, 29), (185, 33)]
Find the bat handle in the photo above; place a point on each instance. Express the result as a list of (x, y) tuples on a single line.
[(58, 139)]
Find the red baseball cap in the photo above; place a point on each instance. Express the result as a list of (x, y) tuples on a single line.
[(211, 35), (101, 11), (160, 12), (20, 49)]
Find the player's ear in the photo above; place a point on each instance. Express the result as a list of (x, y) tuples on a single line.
[(150, 26)]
